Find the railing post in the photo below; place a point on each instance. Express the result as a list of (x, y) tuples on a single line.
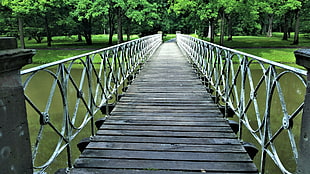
[(303, 163), (15, 150), (162, 35)]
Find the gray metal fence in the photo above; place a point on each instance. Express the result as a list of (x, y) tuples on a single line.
[(255, 90), (103, 74)]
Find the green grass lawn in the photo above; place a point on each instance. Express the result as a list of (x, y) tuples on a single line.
[(283, 55), (99, 41), (273, 48), (264, 42)]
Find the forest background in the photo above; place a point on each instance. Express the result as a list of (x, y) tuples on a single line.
[(39, 19)]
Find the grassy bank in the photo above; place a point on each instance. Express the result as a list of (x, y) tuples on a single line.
[(282, 55), (271, 48)]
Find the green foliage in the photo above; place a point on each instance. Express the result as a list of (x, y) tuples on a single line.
[(49, 18)]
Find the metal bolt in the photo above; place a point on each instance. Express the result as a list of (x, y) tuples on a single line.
[(44, 119), (286, 122)]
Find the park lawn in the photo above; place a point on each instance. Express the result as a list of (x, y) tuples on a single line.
[(273, 48), (282, 55), (99, 41), (263, 41), (46, 56)]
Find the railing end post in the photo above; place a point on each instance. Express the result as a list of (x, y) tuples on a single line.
[(303, 59), (162, 35), (15, 149)]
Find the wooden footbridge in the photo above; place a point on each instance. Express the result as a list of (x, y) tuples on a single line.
[(173, 101), (165, 123)]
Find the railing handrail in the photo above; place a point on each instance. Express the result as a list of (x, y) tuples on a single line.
[(230, 82)]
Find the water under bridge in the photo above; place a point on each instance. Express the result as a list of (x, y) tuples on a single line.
[(168, 109)]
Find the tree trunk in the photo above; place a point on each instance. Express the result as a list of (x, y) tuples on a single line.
[(128, 32), (48, 31), (111, 26), (222, 28), (128, 24), (212, 30), (119, 26), (285, 28), (264, 29), (209, 30), (230, 35), (111, 33), (296, 34), (87, 30), (79, 38), (128, 35), (270, 21), (21, 33)]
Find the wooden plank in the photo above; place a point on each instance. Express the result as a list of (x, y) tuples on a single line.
[(211, 113), (225, 148), (166, 123), (167, 118), (149, 171), (166, 133), (166, 128), (197, 166), (166, 155), (171, 140), (176, 107), (159, 110)]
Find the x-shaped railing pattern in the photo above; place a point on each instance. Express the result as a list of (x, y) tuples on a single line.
[(69, 99), (256, 91)]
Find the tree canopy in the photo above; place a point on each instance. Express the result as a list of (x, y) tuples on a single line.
[(39, 19)]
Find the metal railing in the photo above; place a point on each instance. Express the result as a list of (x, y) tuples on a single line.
[(255, 90), (72, 100)]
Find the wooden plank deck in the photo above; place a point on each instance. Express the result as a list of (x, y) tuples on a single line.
[(165, 124)]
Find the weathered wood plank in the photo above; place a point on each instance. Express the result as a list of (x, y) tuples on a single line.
[(211, 113), (149, 171), (167, 118), (171, 156), (197, 166), (167, 128), (176, 107), (166, 133), (170, 140), (225, 148), (166, 123)]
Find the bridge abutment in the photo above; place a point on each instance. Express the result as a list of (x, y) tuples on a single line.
[(15, 149), (303, 59)]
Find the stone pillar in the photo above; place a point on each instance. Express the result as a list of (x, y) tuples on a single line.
[(15, 149), (303, 163)]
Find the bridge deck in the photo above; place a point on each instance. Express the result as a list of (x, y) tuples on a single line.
[(166, 123)]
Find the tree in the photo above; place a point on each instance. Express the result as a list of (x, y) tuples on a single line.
[(139, 12), (208, 12), (46, 12), (81, 12)]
